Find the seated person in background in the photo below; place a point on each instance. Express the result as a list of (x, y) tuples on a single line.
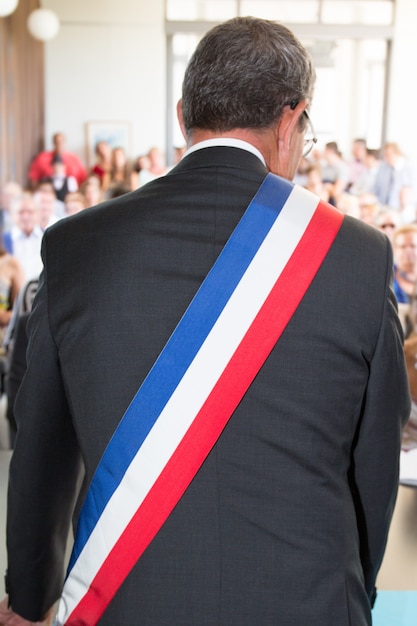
[(11, 282), (92, 191), (335, 172), (118, 190), (387, 221), (24, 239), (300, 177), (139, 175), (314, 182), (151, 166), (157, 162), (404, 242), (349, 205), (74, 203), (368, 206), (120, 172), (50, 209), (10, 191), (357, 165), (394, 183), (409, 439), (365, 182), (41, 166), (61, 183), (103, 166), (12, 279)]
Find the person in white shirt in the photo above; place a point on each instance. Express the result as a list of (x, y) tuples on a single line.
[(394, 183), (50, 209), (25, 237)]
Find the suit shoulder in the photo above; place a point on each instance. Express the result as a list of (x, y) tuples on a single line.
[(95, 218), (364, 236)]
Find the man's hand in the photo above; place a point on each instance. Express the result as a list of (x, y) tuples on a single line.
[(9, 618)]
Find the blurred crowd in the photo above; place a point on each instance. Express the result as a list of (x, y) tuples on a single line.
[(375, 186)]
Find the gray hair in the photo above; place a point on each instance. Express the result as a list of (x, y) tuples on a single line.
[(241, 75)]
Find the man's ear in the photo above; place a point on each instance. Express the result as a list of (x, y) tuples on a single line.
[(181, 119), (288, 123)]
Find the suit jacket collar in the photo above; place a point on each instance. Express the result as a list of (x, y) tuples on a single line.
[(221, 157), (230, 142)]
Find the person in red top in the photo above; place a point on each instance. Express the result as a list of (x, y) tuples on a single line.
[(41, 166)]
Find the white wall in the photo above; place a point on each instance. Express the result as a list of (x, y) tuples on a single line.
[(108, 62)]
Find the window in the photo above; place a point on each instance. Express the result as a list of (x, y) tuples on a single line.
[(294, 11), (348, 40), (196, 10), (357, 12)]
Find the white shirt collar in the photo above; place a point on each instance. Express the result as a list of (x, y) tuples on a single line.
[(226, 141)]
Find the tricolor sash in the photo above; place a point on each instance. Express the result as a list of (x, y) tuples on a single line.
[(180, 410)]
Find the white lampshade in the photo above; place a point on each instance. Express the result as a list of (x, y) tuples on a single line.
[(7, 7), (43, 24)]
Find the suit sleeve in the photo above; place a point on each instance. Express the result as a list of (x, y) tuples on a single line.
[(17, 366), (43, 476), (385, 410)]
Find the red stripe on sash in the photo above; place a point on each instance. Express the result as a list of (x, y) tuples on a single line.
[(203, 433)]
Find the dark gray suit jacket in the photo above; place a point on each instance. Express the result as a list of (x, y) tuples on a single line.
[(287, 520)]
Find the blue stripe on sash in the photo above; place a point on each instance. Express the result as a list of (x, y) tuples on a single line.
[(180, 350)]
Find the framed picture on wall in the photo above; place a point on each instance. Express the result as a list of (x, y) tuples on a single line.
[(116, 134)]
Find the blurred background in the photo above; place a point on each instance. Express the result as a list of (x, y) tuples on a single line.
[(123, 61)]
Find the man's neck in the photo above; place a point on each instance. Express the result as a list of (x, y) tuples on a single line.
[(256, 139), (231, 142)]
